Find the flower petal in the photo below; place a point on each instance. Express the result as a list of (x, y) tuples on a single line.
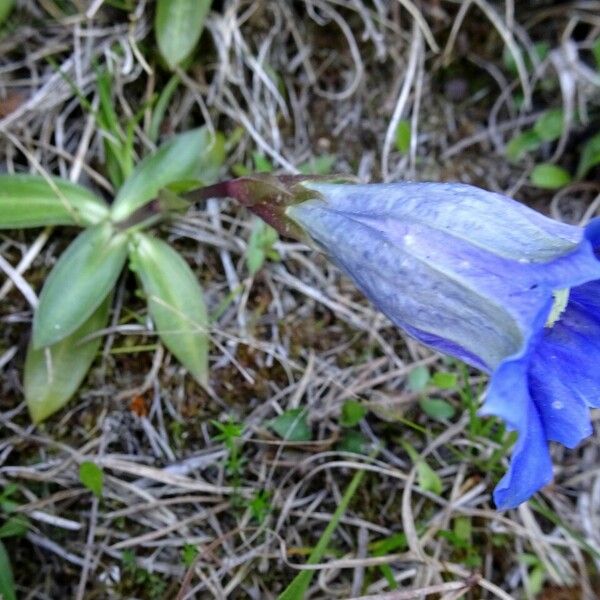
[(530, 466), (563, 411), (568, 354)]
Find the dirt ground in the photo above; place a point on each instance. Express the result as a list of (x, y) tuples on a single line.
[(385, 90)]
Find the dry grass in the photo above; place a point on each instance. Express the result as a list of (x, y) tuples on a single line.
[(302, 79)]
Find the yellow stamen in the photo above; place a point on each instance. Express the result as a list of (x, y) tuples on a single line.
[(561, 299)]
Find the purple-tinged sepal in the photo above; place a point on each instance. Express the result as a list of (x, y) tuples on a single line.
[(268, 197)]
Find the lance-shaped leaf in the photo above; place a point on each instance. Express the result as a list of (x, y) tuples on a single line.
[(175, 302), (192, 156), (7, 583), (53, 374), (81, 279), (33, 201), (178, 26)]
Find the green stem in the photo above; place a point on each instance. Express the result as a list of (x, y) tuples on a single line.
[(299, 585)]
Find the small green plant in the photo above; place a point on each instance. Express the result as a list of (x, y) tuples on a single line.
[(259, 505), (139, 580), (189, 554), (260, 246), (547, 129), (230, 434), (75, 300), (460, 538), (536, 573)]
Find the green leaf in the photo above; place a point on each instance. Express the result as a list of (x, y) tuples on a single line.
[(318, 165), (403, 136), (33, 201), (160, 108), (92, 477), (549, 176), (463, 528), (292, 425), (590, 156), (353, 441), (260, 505), (418, 378), (428, 479), (7, 584), (261, 163), (79, 282), (509, 60), (443, 380), (118, 149), (14, 527), (230, 432), (596, 53), (175, 302), (260, 246), (189, 552), (528, 141), (194, 155), (541, 50), (6, 7), (178, 26), (352, 413), (549, 126), (54, 374), (437, 408)]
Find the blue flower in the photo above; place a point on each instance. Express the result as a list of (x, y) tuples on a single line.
[(481, 277), (472, 274)]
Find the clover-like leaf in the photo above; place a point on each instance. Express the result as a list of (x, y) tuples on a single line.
[(550, 124), (549, 176), (178, 26), (34, 201), (175, 302), (53, 374), (192, 156), (79, 282), (292, 425), (525, 142)]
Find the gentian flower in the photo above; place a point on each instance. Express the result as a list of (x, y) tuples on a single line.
[(472, 274)]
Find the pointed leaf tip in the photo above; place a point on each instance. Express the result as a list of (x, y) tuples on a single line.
[(52, 375)]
